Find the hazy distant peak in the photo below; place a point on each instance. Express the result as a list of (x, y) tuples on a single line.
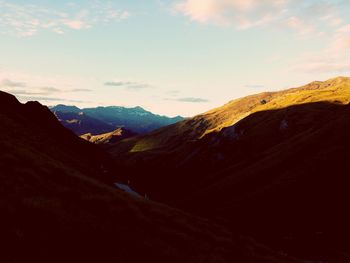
[(65, 108)]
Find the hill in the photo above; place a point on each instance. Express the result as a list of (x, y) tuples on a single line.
[(108, 138), (274, 164), (334, 90), (57, 204), (106, 119)]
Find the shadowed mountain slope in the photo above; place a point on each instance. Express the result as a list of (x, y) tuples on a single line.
[(57, 206), (80, 123), (280, 174)]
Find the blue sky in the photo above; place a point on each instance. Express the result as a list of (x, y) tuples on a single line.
[(169, 56)]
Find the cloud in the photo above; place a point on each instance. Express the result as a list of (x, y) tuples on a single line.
[(80, 90), (192, 100), (46, 99), (50, 89), (303, 16), (239, 13), (12, 87), (128, 85), (12, 84), (117, 83), (25, 20), (254, 86), (321, 63), (341, 39), (334, 58), (31, 84), (174, 92), (138, 86), (76, 24), (25, 92)]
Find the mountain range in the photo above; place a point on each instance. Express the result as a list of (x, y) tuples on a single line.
[(58, 204), (263, 178), (107, 119)]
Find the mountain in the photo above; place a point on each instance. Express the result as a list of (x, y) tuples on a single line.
[(192, 129), (58, 204), (65, 109), (80, 123), (110, 137), (274, 164), (106, 119)]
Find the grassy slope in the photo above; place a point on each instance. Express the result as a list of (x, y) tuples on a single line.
[(55, 208), (108, 138), (333, 90)]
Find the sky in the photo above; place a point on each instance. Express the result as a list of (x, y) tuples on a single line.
[(172, 57)]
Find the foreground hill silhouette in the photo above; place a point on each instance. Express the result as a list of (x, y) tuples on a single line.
[(57, 206), (274, 165)]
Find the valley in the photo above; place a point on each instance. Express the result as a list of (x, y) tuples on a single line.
[(261, 179)]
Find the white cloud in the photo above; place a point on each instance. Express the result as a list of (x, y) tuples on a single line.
[(319, 64), (303, 16), (334, 58), (27, 19), (76, 24), (344, 29), (10, 80), (239, 13), (322, 20)]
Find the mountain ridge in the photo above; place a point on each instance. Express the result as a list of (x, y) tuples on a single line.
[(101, 120), (214, 120), (57, 205)]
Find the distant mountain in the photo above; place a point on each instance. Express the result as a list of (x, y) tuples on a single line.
[(106, 119), (110, 137), (274, 164), (65, 109), (80, 123), (57, 204)]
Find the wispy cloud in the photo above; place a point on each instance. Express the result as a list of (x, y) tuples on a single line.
[(80, 90), (192, 100), (334, 58), (240, 13), (128, 85), (303, 16), (26, 20), (50, 89), (321, 20), (173, 93), (25, 92), (24, 88), (117, 83), (46, 99), (12, 84), (255, 86)]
